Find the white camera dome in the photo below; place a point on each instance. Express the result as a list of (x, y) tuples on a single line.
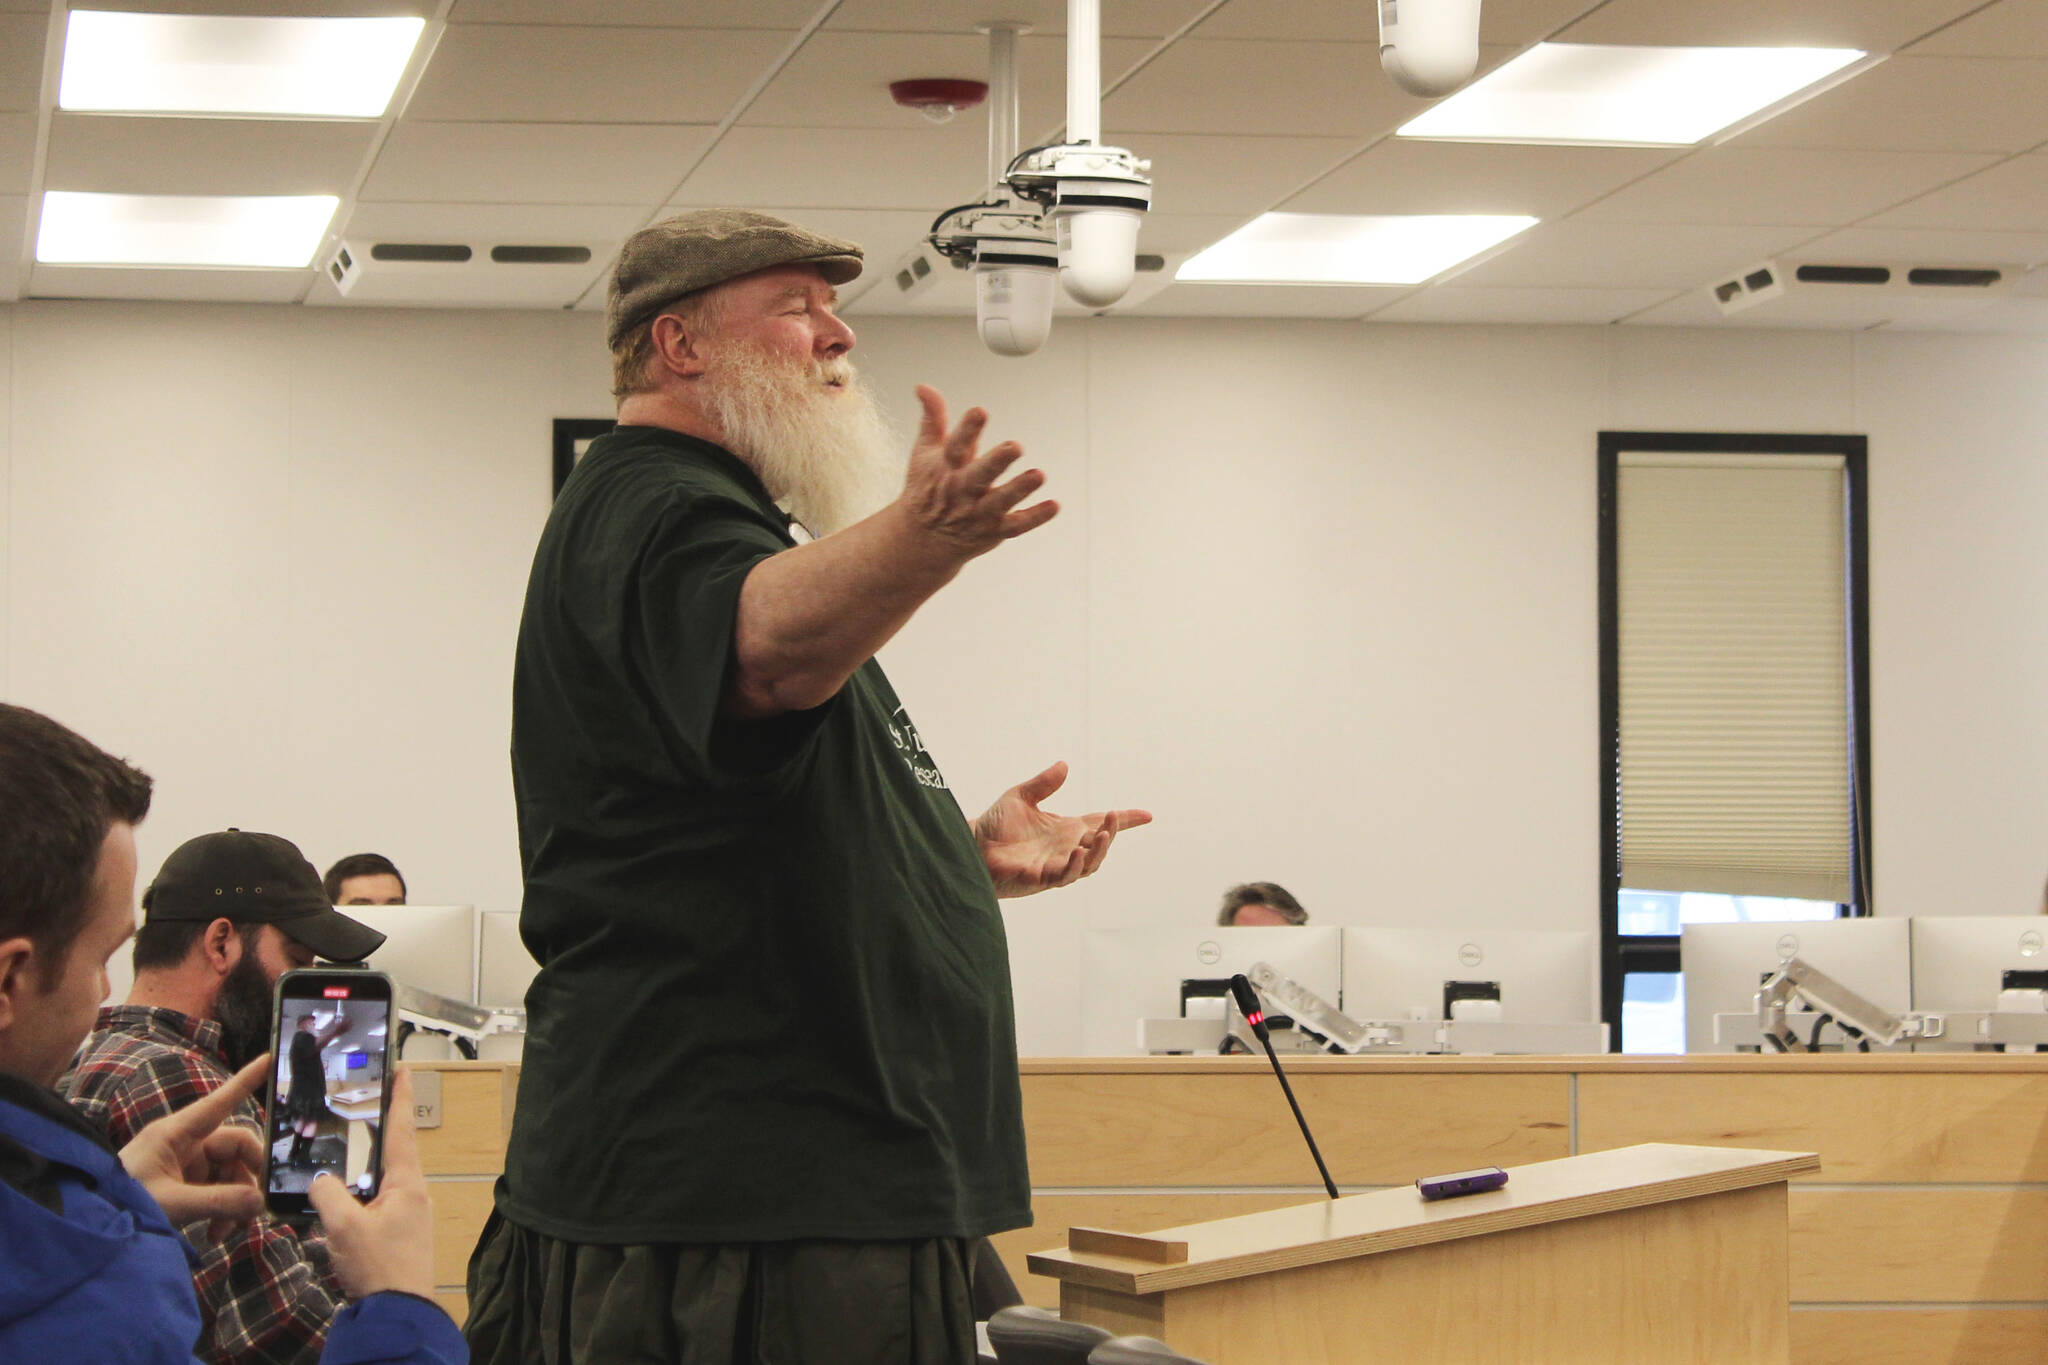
[(1013, 306), (1098, 253)]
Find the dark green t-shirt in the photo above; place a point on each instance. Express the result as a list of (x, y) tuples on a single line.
[(774, 996)]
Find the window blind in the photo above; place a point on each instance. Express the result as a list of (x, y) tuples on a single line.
[(1734, 697)]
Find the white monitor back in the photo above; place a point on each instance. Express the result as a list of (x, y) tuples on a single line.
[(1128, 975), (1545, 976), (504, 968), (1723, 964), (430, 947), (1960, 961)]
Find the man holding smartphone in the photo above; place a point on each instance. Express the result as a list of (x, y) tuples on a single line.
[(769, 1107), (227, 915), (91, 1263)]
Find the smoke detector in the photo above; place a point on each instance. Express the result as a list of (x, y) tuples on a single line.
[(938, 98)]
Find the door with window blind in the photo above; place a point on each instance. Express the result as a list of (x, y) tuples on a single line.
[(1734, 697)]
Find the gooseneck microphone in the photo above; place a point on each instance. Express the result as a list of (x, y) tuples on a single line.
[(1255, 1015)]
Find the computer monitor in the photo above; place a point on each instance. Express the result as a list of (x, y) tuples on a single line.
[(504, 968), (429, 947), (1129, 975), (1960, 961), (1545, 976), (1724, 964)]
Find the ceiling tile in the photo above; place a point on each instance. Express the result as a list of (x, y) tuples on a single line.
[(1871, 25), (1515, 23), (183, 286), (535, 163), (21, 60), (495, 224), (1233, 175), (2009, 197), (1575, 254), (1928, 104), (1179, 235), (1449, 303), (1265, 301), (1268, 88), (931, 168), (841, 80), (541, 74), (2013, 28), (308, 9), (1926, 246), (777, 14), (2028, 317), (1401, 175), (1775, 185), (1121, 19), (17, 151), (122, 154), (13, 226)]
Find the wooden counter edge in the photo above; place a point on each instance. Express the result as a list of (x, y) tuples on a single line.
[(1698, 1063), (1141, 1272)]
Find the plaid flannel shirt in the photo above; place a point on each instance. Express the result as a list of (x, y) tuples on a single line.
[(267, 1292)]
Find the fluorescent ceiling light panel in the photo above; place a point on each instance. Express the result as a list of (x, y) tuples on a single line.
[(278, 231), (1625, 96), (1330, 248), (226, 64)]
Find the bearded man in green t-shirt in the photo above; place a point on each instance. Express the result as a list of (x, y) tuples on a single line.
[(769, 1104)]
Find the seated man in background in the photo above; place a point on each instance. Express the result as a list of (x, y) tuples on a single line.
[(91, 1264), (1258, 905), (364, 879), (227, 915)]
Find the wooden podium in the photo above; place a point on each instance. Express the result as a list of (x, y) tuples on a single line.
[(1637, 1256)]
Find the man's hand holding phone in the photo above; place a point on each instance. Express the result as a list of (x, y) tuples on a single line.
[(387, 1243)]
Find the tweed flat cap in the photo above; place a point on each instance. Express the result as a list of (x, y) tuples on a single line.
[(696, 250)]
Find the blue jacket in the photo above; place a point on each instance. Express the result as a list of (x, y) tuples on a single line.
[(92, 1271)]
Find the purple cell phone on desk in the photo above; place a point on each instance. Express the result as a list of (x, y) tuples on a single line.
[(1463, 1182)]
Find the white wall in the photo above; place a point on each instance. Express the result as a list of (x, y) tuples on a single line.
[(1321, 595)]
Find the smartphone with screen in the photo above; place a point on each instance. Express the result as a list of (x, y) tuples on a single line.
[(330, 1087)]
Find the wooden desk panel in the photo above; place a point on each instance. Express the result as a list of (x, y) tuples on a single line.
[(460, 1209), (1552, 1294), (1875, 1126), (1193, 1129), (1941, 1245), (1929, 1336), (476, 1118)]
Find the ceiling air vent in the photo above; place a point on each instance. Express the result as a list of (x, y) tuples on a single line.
[(540, 255), (1843, 274), (449, 253), (1953, 277)]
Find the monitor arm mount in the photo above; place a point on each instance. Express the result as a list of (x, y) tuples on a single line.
[(1797, 992)]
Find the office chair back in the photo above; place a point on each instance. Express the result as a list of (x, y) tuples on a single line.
[(1138, 1351), (1038, 1336)]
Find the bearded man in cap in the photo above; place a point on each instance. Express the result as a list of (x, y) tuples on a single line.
[(769, 1099), (227, 915)]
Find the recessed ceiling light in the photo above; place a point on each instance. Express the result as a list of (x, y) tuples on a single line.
[(227, 64), (1329, 248), (276, 231), (1625, 96)]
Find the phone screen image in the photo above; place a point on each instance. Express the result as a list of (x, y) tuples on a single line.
[(329, 1084)]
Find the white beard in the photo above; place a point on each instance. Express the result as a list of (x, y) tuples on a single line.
[(828, 457)]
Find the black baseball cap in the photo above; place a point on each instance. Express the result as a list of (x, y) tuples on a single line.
[(255, 879)]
